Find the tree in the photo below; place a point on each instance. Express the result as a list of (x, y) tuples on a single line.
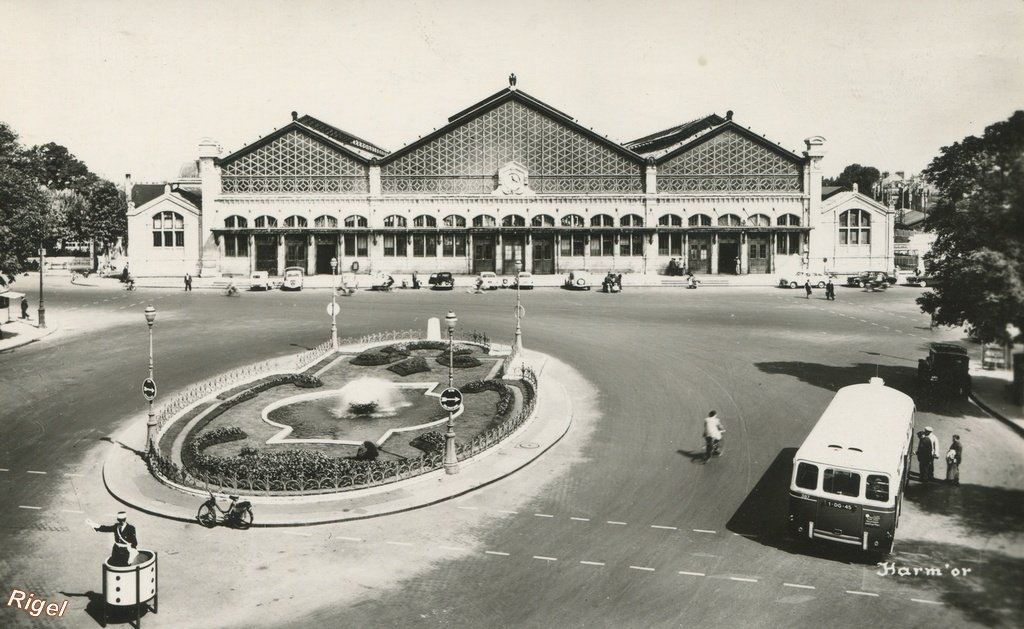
[(864, 176), (978, 255), (22, 205)]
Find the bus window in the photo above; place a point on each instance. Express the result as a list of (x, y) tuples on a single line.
[(878, 488), (841, 482), (807, 476)]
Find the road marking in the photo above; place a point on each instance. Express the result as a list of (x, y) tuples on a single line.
[(667, 528), (704, 531), (543, 515), (543, 558), (495, 552), (398, 543), (468, 508), (692, 574), (859, 593), (350, 539), (798, 585), (4, 469), (581, 519), (743, 579), (641, 568), (28, 507), (297, 533), (921, 600), (75, 475), (35, 472), (873, 323), (451, 548), (592, 563), (508, 512), (72, 511), (747, 535), (614, 522)]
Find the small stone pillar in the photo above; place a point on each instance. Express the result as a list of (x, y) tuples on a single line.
[(434, 329)]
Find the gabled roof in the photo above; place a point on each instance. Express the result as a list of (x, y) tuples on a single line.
[(704, 134), (827, 191), (845, 197), (509, 95), (144, 198), (356, 148), (143, 193), (673, 136)]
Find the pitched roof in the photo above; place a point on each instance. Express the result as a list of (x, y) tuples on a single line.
[(665, 140), (359, 149), (827, 191), (143, 193), (344, 137)]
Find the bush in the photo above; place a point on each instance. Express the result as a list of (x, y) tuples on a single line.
[(304, 381), (461, 360), (429, 442), (373, 358), (192, 453), (398, 349), (427, 345), (409, 366)]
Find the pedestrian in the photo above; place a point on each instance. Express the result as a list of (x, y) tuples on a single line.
[(124, 537), (830, 290), (807, 288), (188, 281), (24, 308), (927, 444), (712, 435), (954, 456)]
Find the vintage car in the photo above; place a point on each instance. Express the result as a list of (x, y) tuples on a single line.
[(923, 280), (797, 279), (441, 281), (945, 370), (875, 280), (292, 278), (260, 280), (578, 280), (488, 280), (524, 281)]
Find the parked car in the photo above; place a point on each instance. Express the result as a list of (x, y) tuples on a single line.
[(525, 280), (921, 280), (487, 280), (945, 369), (260, 280), (441, 281), (870, 279), (797, 279), (578, 280), (293, 278)]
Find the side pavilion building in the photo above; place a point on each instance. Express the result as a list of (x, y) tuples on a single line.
[(508, 178)]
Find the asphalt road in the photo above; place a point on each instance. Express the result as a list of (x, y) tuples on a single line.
[(617, 526)]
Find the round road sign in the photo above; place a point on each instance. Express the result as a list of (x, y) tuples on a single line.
[(333, 308), (149, 389), (451, 399)]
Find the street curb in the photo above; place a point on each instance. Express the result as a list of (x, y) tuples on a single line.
[(1017, 428), (49, 330)]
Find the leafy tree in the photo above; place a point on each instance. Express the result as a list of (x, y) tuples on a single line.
[(864, 176), (978, 255), (22, 205)]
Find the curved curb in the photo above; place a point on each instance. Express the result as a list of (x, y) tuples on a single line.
[(49, 330), (1017, 428)]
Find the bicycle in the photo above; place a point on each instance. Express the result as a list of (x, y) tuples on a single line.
[(238, 514), (231, 291)]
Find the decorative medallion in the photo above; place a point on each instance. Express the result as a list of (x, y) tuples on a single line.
[(513, 181)]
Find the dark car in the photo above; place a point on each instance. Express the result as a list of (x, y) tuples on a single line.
[(945, 369), (922, 280), (876, 280), (441, 281)]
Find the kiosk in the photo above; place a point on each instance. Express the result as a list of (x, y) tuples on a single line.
[(134, 585)]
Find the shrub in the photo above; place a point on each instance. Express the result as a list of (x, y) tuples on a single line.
[(460, 360), (192, 453), (427, 345), (305, 381), (373, 358), (398, 349), (429, 442), (416, 364)]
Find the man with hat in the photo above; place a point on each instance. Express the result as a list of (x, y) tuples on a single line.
[(927, 452), (124, 536), (954, 456)]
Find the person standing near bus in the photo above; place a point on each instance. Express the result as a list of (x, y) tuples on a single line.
[(927, 444), (953, 458), (712, 435)]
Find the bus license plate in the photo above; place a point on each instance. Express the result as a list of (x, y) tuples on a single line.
[(840, 505)]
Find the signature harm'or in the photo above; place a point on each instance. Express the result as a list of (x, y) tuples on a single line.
[(890, 569)]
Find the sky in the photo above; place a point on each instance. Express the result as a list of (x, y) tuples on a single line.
[(133, 86)]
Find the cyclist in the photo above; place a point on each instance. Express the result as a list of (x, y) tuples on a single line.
[(712, 435)]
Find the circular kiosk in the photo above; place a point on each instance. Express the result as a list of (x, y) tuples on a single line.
[(133, 585)]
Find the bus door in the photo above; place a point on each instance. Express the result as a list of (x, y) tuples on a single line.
[(839, 516)]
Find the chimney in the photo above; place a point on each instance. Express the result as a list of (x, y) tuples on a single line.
[(128, 191)]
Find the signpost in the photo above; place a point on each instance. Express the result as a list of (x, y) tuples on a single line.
[(149, 389), (333, 309), (451, 399)]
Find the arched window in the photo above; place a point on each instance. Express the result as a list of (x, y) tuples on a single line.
[(168, 229), (791, 220), (453, 220), (484, 220), (542, 220), (759, 220), (513, 220), (855, 227), (355, 221), (729, 220), (632, 220), (295, 221), (602, 220), (325, 221), (424, 221), (394, 221), (265, 221), (572, 220), (671, 220), (234, 222), (699, 220)]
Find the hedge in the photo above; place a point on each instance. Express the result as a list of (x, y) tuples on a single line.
[(373, 358), (460, 360), (409, 366), (429, 442)]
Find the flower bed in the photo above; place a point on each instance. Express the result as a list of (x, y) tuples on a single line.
[(409, 366)]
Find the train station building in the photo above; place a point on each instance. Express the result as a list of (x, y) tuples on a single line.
[(508, 178)]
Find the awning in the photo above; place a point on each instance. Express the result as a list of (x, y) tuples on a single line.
[(7, 297)]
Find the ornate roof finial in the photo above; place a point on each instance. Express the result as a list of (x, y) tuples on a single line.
[(512, 81)]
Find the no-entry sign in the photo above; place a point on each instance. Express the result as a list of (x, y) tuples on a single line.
[(149, 389), (451, 399)]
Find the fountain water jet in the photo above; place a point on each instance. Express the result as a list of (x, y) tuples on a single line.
[(368, 396)]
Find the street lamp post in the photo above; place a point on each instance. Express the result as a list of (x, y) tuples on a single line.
[(42, 307), (334, 303), (518, 350), (451, 461), (151, 422)]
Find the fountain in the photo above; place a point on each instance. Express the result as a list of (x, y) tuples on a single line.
[(368, 396)]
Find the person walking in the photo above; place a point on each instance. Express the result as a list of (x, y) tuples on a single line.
[(188, 282), (24, 308), (830, 290), (124, 536), (807, 288), (712, 435), (954, 456)]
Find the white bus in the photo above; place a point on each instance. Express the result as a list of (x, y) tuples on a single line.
[(850, 472)]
